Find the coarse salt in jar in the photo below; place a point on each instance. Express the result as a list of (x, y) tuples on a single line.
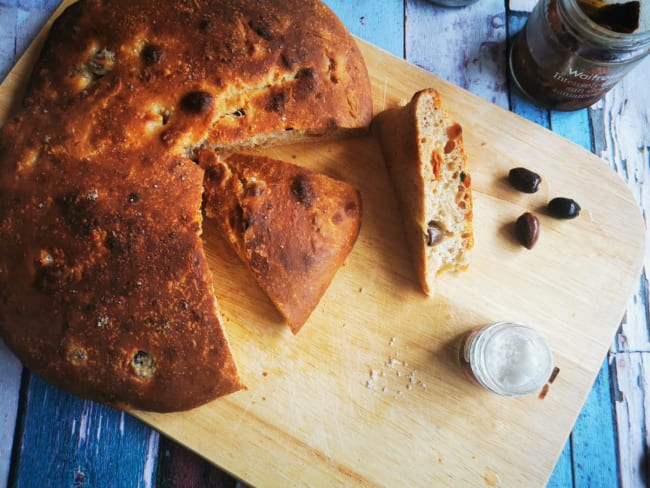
[(506, 358), (571, 52)]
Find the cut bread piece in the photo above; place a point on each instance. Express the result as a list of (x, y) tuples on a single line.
[(293, 227), (423, 149)]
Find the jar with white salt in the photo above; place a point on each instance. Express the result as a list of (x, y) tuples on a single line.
[(507, 358)]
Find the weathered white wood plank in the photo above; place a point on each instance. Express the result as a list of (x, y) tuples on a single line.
[(625, 125), (472, 54), (633, 400), (10, 369), (522, 5), (623, 119), (381, 23)]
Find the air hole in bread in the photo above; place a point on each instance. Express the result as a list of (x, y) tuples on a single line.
[(77, 356), (143, 365), (261, 29), (101, 62), (331, 69)]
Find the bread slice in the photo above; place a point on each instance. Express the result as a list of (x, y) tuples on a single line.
[(423, 149), (293, 227)]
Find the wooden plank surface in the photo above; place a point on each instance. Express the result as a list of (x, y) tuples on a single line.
[(636, 122)]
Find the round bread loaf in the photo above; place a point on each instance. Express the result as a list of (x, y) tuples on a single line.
[(105, 290)]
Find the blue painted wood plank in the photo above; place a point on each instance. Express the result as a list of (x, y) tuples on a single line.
[(62, 440), (575, 126), (380, 23), (594, 442), (519, 103), (562, 476)]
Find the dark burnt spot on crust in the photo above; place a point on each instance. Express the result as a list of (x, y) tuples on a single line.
[(288, 60), (307, 260), (197, 102), (152, 54), (261, 29), (259, 263), (215, 173), (50, 279), (307, 82), (134, 197), (351, 208), (302, 190), (78, 213), (276, 102), (113, 242), (205, 25)]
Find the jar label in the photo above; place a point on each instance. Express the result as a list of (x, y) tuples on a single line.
[(574, 83)]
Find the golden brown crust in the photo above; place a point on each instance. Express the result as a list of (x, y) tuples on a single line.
[(104, 287), (267, 71), (291, 226)]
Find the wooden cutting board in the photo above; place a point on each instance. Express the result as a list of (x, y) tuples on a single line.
[(370, 391)]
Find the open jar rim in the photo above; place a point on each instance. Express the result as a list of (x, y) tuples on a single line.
[(483, 372), (597, 34)]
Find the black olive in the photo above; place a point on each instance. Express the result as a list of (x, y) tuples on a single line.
[(524, 180), (434, 233), (564, 208), (527, 230)]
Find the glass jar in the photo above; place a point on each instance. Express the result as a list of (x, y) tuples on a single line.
[(564, 60), (506, 358)]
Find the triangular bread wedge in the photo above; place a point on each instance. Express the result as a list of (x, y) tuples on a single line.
[(293, 227), (423, 149)]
